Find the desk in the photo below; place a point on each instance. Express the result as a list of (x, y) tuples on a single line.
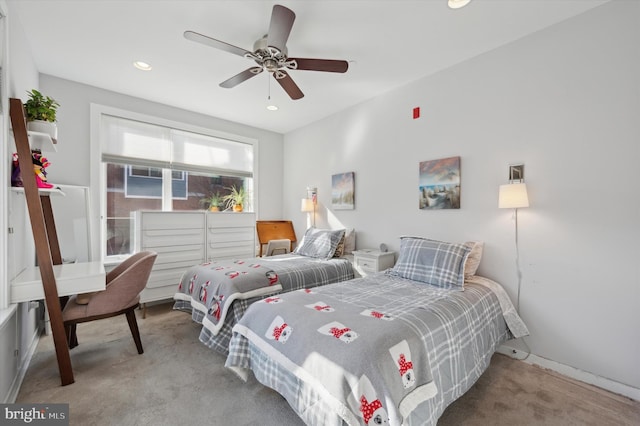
[(71, 278)]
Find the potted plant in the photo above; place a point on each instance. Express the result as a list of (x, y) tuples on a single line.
[(213, 202), (235, 198), (41, 113)]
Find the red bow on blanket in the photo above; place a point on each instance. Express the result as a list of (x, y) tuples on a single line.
[(377, 314), (368, 408), (321, 308), (404, 365), (277, 331), (337, 332)]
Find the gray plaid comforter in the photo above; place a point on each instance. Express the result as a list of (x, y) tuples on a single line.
[(293, 272), (442, 343)]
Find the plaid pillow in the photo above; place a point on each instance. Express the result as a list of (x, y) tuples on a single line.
[(433, 262), (319, 243)]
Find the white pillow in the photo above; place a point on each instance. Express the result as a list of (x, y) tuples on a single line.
[(473, 260), (349, 240)]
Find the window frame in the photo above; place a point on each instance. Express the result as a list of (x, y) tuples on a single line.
[(98, 168)]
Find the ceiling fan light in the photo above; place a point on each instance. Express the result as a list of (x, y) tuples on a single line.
[(457, 4), (271, 65)]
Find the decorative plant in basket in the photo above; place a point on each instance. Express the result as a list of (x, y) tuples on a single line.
[(235, 199), (41, 113)]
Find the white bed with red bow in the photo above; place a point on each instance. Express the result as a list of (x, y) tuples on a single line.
[(386, 349)]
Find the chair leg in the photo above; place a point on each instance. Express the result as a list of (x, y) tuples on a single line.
[(133, 325)]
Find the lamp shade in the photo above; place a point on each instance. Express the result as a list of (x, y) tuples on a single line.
[(513, 196), (307, 205)]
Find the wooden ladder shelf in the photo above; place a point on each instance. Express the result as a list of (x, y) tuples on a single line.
[(45, 238)]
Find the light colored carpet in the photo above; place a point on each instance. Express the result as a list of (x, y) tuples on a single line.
[(179, 381)]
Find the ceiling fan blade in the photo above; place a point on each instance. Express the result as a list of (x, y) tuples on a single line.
[(289, 85), (239, 78), (280, 27), (327, 65), (197, 37)]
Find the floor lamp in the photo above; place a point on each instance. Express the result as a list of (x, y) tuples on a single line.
[(514, 196)]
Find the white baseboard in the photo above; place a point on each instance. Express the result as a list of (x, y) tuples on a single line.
[(572, 372), (22, 369)]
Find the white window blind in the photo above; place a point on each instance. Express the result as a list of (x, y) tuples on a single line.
[(125, 141), (196, 152)]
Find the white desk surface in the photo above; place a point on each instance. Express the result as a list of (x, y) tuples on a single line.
[(71, 278)]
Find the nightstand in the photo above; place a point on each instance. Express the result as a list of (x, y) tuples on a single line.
[(370, 261)]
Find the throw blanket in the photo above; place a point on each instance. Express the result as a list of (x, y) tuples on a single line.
[(459, 331), (361, 356), (294, 272), (212, 287)]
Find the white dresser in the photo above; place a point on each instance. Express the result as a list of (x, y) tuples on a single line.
[(231, 235), (186, 238)]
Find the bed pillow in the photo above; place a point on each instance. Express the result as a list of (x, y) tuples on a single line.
[(319, 243), (433, 262), (473, 260), (340, 248), (349, 240)]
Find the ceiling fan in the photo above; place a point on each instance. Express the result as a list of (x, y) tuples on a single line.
[(270, 53)]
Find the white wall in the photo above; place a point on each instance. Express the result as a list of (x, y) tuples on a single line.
[(565, 102), (17, 324)]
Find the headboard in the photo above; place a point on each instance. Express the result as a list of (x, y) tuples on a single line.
[(274, 230)]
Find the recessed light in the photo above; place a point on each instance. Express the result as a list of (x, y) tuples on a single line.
[(142, 65), (457, 4), (272, 107)]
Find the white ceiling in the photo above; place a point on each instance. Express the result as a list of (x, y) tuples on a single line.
[(389, 43)]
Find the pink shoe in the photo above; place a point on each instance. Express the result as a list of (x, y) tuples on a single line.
[(42, 184)]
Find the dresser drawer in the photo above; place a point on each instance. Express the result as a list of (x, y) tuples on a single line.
[(166, 277), (231, 250), (170, 255), (366, 266), (230, 220), (224, 235), (171, 237), (172, 220)]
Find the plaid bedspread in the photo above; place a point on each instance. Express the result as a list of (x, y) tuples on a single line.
[(293, 272), (459, 332)]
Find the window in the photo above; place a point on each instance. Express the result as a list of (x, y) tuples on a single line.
[(146, 182), (149, 164)]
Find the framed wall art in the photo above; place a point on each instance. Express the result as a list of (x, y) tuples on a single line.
[(343, 191), (439, 184)]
